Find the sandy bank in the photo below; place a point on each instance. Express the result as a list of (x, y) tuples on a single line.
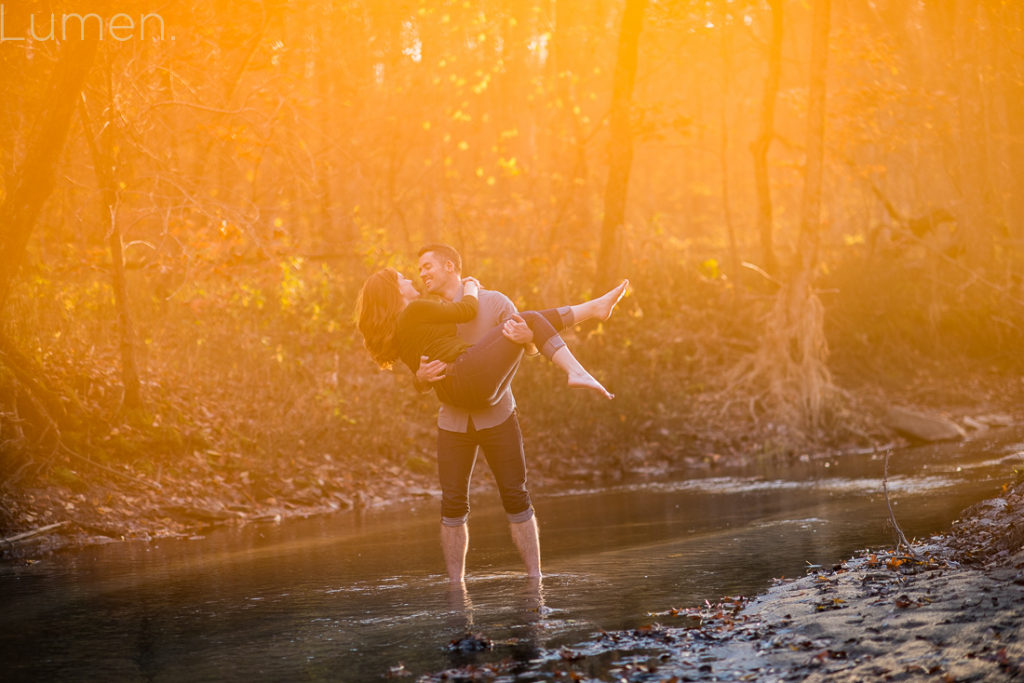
[(955, 612)]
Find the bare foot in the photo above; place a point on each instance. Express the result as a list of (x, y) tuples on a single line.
[(587, 381), (606, 302)]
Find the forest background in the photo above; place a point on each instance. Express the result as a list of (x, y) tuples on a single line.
[(820, 206)]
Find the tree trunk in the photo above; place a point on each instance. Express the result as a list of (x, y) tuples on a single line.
[(35, 181), (760, 146), (324, 168), (568, 147), (620, 145), (103, 165), (734, 252), (804, 314), (810, 205), (791, 355), (976, 212), (1011, 74)]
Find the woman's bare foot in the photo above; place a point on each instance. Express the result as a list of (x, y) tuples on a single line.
[(586, 381), (606, 302)]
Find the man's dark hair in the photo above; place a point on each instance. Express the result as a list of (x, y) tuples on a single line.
[(446, 253)]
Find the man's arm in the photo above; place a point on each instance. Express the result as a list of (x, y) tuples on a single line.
[(513, 325)]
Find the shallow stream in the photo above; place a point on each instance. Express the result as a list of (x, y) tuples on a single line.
[(347, 597)]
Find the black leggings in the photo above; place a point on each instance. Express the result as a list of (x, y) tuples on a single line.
[(456, 456), (478, 377)]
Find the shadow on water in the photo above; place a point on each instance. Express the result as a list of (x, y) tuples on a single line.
[(350, 596)]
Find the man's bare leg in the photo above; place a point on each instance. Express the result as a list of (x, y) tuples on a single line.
[(527, 542), (454, 542)]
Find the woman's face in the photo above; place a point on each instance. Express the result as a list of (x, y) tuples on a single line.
[(407, 289)]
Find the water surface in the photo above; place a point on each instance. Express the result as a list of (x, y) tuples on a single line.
[(347, 597)]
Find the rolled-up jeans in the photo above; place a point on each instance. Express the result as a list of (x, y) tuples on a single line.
[(477, 378), (456, 456)]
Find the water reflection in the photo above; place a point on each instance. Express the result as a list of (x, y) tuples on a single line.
[(350, 597), (515, 614)]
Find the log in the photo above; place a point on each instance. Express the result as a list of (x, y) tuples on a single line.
[(29, 534), (923, 426)]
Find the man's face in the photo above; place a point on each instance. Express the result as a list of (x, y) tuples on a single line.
[(435, 272)]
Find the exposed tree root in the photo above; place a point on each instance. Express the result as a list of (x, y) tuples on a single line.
[(26, 374), (32, 408), (901, 539), (787, 374)]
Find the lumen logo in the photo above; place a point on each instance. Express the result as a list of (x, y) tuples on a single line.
[(119, 27)]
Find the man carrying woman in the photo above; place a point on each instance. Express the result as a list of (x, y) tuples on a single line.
[(468, 348)]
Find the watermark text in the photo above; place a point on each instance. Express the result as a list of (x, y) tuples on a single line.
[(120, 27)]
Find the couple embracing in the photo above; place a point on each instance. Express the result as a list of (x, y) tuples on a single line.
[(467, 347)]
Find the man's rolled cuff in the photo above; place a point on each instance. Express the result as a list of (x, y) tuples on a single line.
[(455, 521)]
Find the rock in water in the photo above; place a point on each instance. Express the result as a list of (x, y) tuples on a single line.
[(471, 642), (923, 426)]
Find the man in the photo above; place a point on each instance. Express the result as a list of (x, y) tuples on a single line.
[(495, 429)]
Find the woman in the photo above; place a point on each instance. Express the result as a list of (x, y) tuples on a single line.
[(397, 325)]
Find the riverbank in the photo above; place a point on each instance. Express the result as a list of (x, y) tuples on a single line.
[(950, 609), (205, 482)]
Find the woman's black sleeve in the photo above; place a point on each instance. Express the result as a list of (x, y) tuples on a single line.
[(443, 311)]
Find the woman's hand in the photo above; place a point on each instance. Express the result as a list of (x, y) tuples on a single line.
[(471, 286)]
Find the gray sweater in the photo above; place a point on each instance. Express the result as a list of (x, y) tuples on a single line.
[(494, 309)]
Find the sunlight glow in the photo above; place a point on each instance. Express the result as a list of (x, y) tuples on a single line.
[(412, 46), (539, 46)]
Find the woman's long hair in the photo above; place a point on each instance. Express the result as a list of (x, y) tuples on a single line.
[(377, 311)]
